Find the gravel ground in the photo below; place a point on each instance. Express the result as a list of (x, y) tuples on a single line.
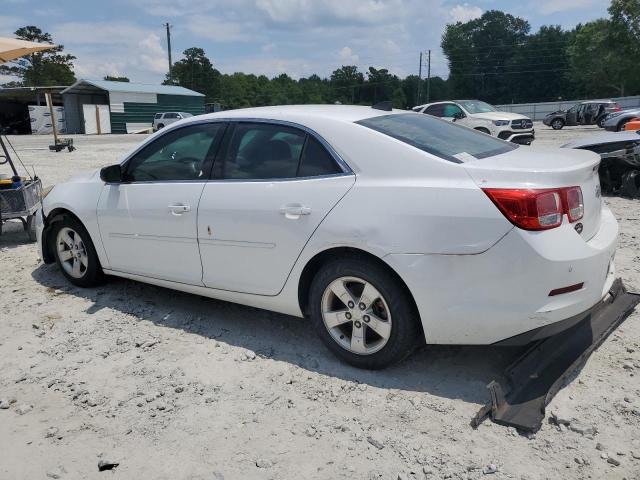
[(174, 386)]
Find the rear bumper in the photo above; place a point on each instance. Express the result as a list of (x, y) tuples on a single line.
[(504, 292), (535, 377)]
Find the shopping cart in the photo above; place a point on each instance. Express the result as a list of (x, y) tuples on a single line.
[(19, 197)]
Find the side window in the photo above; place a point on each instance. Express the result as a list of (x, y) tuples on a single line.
[(450, 110), (263, 151), (170, 115), (316, 160), (178, 155), (158, 115), (435, 110)]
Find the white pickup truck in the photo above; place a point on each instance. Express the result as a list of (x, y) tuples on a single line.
[(483, 117)]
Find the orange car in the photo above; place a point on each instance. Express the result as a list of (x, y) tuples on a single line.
[(633, 124)]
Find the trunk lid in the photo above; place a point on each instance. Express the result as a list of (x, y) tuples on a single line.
[(535, 168)]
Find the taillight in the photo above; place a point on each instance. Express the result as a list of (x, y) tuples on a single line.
[(574, 205), (617, 108), (538, 209)]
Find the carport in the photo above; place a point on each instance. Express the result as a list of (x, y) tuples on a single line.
[(101, 106)]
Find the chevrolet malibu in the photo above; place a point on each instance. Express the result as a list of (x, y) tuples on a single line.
[(385, 228)]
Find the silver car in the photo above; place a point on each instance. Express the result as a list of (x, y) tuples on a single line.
[(615, 122)]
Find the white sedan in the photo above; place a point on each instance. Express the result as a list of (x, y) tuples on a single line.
[(385, 228)]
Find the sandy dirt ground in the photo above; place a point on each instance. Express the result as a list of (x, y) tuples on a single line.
[(174, 386)]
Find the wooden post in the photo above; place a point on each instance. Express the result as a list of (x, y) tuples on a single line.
[(98, 120), (53, 117)]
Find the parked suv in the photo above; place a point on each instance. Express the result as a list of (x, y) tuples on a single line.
[(483, 117), (592, 112), (161, 120)]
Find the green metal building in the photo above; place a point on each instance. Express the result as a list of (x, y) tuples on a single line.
[(100, 106)]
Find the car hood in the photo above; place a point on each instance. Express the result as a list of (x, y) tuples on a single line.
[(499, 116)]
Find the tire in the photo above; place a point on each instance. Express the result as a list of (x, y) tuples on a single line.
[(89, 272), (621, 125), (631, 183), (600, 122), (390, 308), (557, 124), (160, 125)]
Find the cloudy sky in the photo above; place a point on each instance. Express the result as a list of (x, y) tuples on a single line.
[(298, 37)]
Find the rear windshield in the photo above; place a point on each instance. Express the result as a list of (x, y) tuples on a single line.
[(440, 138)]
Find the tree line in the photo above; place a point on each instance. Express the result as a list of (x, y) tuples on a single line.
[(495, 58)]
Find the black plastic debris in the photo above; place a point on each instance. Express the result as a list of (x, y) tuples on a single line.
[(106, 465), (536, 376)]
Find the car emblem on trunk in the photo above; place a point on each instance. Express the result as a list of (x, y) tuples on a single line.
[(579, 227)]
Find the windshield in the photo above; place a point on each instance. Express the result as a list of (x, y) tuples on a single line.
[(476, 106), (438, 137)]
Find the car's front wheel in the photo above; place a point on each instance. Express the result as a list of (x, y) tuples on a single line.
[(557, 124), (75, 254), (362, 313)]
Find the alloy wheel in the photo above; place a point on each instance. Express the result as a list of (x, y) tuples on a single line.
[(72, 252), (356, 315)]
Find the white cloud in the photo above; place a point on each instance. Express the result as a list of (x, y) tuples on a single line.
[(548, 7), (219, 30), (118, 48), (464, 13), (345, 54)]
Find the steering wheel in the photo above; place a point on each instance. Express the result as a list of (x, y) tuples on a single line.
[(193, 162)]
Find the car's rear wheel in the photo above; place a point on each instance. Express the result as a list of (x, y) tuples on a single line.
[(601, 122), (557, 124), (75, 254), (362, 314), (160, 125)]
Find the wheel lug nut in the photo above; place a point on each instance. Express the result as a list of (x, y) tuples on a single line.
[(362, 306), (357, 324), (350, 304), (366, 319), (347, 316)]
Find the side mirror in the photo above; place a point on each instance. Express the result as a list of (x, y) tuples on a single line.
[(111, 174), (458, 116)]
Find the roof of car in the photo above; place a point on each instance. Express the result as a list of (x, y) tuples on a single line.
[(341, 113)]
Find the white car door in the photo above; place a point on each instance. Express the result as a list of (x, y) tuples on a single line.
[(271, 189), (148, 221)]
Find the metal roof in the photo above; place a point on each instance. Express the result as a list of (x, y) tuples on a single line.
[(127, 87)]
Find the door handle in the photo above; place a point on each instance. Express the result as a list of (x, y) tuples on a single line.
[(295, 211), (179, 209)]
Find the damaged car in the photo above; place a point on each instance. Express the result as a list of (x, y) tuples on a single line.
[(592, 112), (385, 229), (620, 160)]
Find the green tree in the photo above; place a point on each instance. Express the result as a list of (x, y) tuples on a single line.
[(195, 71), (480, 54), (46, 68), (600, 66), (345, 84), (112, 78)]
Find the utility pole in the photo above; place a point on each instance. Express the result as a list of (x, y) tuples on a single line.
[(429, 77), (168, 26), (420, 80)]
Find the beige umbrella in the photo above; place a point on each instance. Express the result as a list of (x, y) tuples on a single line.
[(12, 48)]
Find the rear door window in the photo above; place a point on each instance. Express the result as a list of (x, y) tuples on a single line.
[(440, 138), (263, 151), (316, 160), (435, 110)]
